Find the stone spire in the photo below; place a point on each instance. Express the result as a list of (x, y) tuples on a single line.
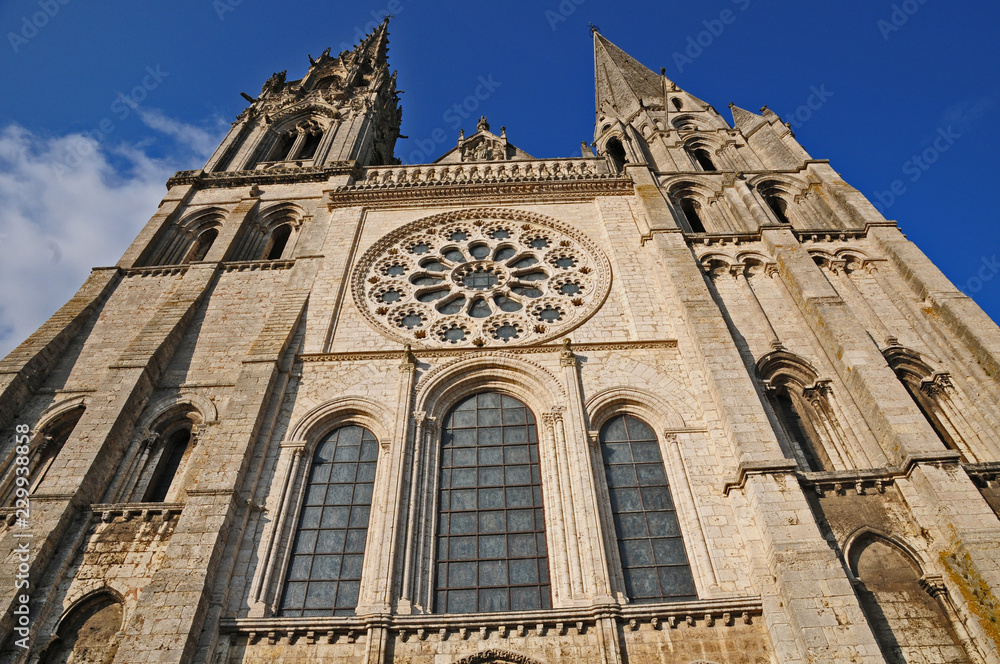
[(621, 81)]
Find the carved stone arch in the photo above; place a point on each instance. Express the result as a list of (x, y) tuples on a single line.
[(86, 590), (686, 122), (535, 386), (756, 262), (260, 235), (324, 418), (649, 407), (90, 627), (716, 263), (59, 410), (909, 612), (712, 147), (693, 198), (289, 116), (180, 242), (908, 362), (197, 408), (781, 366), (495, 656), (780, 194), (860, 536)]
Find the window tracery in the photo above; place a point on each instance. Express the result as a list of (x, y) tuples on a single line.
[(482, 281)]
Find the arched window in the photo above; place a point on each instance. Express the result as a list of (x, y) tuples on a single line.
[(491, 551), (779, 207), (169, 463), (808, 449), (283, 146), (654, 561), (277, 242), (704, 159), (677, 103), (616, 151), (309, 145), (202, 245), (692, 212), (909, 623), (87, 633), (324, 575), (46, 448)]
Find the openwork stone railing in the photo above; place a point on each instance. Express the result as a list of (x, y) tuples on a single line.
[(478, 172)]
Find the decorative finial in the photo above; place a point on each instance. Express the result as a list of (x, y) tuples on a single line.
[(503, 132), (594, 28), (461, 134), (482, 125)]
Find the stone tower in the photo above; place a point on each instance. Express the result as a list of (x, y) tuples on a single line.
[(690, 399)]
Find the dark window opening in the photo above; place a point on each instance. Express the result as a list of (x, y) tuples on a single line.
[(308, 150), (202, 245), (279, 240), (779, 207), (677, 103), (796, 428), (616, 151), (170, 462), (691, 213), (283, 146), (925, 404), (704, 160)]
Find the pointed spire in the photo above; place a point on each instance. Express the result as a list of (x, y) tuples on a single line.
[(746, 121), (621, 80)]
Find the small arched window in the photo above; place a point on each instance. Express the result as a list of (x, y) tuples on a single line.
[(654, 561), (202, 245), (283, 146), (808, 448), (779, 207), (704, 159), (47, 445), (909, 618), (170, 461), (616, 151), (309, 145), (692, 213), (278, 242), (677, 103), (324, 574), (491, 550), (88, 632)]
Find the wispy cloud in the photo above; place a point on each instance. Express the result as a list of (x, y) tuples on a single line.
[(57, 224)]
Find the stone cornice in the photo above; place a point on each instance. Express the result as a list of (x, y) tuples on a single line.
[(349, 356), (204, 180), (485, 192)]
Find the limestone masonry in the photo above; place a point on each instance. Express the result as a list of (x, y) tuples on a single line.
[(690, 399)]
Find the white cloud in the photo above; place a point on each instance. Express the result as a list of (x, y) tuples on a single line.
[(68, 204)]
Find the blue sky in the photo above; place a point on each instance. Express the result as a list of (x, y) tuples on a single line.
[(102, 101)]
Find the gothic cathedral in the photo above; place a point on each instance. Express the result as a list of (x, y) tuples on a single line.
[(686, 398)]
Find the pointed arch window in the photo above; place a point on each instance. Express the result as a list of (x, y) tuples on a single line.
[(88, 633), (491, 549), (654, 561), (616, 151), (324, 574), (796, 419), (170, 462)]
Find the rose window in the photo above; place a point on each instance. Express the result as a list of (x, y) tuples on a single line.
[(505, 278)]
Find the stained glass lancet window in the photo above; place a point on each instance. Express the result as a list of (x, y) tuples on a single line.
[(325, 571), (654, 562), (491, 553)]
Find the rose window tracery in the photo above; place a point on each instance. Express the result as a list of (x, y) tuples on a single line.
[(481, 278)]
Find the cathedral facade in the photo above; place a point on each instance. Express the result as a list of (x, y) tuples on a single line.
[(685, 398)]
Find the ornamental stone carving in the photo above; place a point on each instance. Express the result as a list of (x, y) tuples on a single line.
[(486, 277)]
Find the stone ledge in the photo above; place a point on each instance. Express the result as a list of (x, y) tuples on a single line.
[(471, 350), (774, 467)]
